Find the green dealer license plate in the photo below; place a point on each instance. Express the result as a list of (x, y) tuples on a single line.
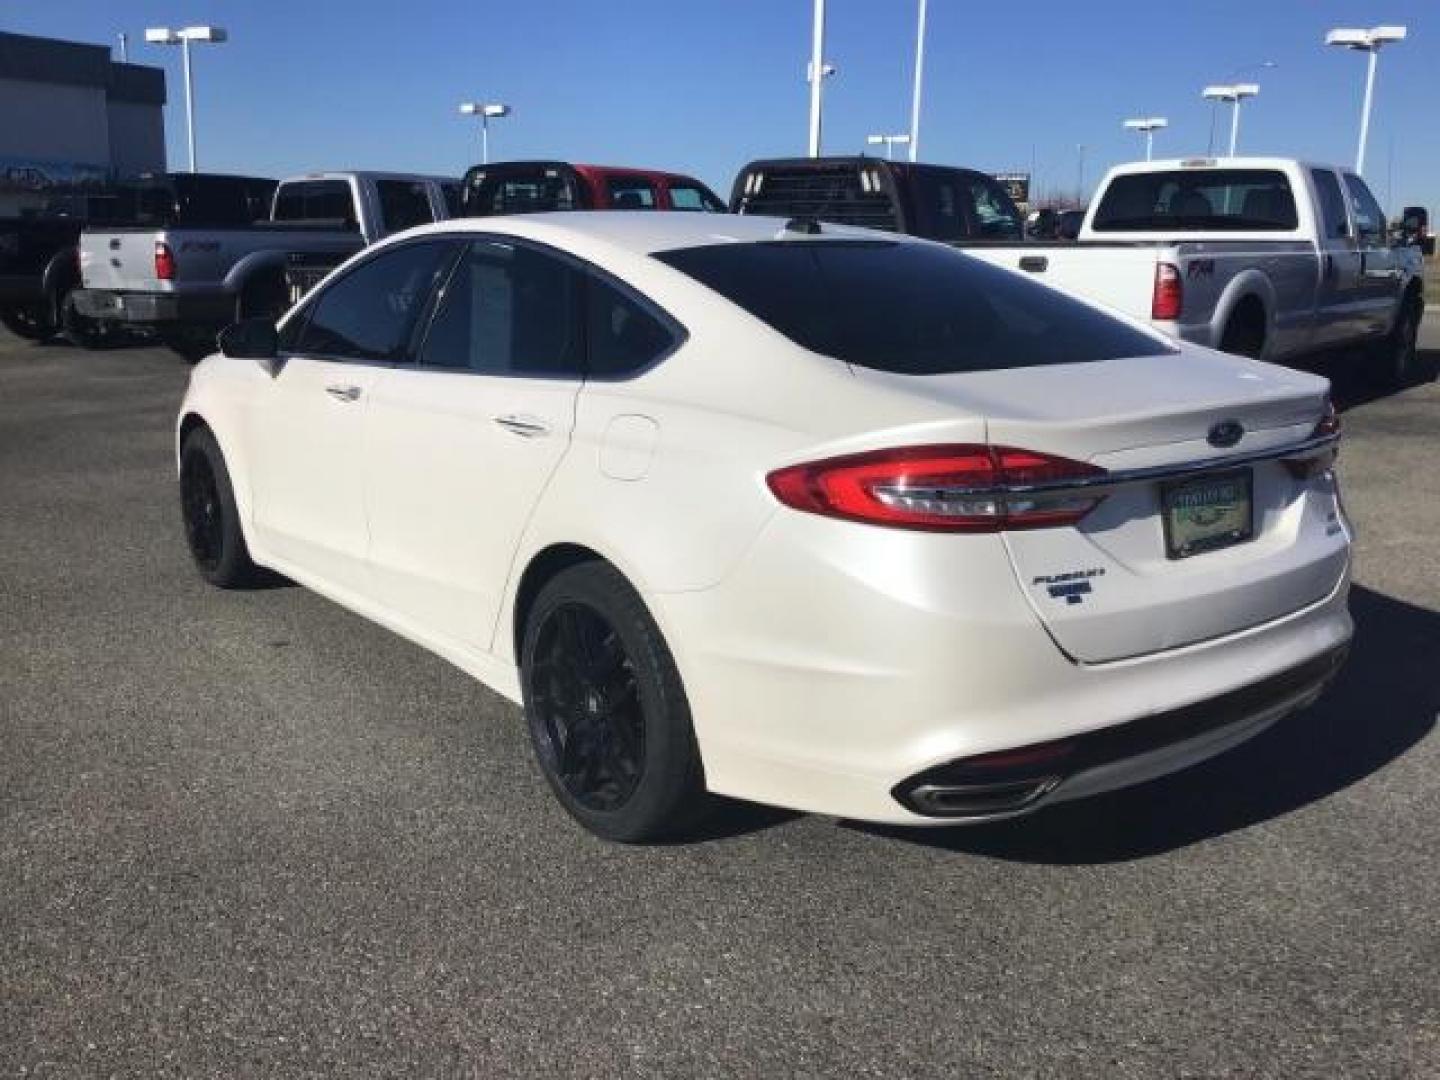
[(1206, 514)]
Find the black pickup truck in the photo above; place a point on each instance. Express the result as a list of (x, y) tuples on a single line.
[(937, 202), (39, 253)]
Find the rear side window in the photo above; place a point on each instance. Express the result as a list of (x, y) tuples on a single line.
[(508, 310), (623, 337), (1198, 200), (1333, 221), (694, 197), (1369, 218), (315, 200), (369, 313), (908, 308), (403, 204), (630, 192)]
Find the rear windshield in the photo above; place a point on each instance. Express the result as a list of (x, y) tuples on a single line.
[(201, 201), (912, 309), (1198, 200), (519, 191)]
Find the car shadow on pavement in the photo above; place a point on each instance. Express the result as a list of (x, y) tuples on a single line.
[(1350, 384), (1383, 702)]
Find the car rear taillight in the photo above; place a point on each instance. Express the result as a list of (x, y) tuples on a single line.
[(962, 488), (1169, 294), (164, 262), (1329, 426)]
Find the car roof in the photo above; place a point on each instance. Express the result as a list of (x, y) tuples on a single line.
[(1200, 162), (645, 232)]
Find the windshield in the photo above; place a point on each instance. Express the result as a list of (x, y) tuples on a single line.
[(1198, 200), (908, 308)]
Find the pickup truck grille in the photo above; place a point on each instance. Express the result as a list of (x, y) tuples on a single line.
[(826, 194)]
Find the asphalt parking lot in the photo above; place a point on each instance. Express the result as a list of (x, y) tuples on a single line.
[(253, 835)]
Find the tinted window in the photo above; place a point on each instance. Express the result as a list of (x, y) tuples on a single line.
[(403, 204), (694, 197), (995, 215), (519, 191), (369, 313), (1257, 200), (909, 308), (452, 199), (220, 200), (1332, 205), (313, 200), (630, 192), (507, 310), (622, 336), (1369, 218)]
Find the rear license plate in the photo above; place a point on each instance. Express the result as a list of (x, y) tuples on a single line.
[(1206, 514)]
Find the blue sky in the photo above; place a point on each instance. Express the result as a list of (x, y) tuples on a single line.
[(704, 87)]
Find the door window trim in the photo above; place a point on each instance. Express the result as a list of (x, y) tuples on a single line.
[(679, 335)]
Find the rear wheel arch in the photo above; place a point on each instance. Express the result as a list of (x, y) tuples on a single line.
[(543, 566), (1247, 327)]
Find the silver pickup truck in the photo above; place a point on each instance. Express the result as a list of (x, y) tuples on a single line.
[(186, 283), (1266, 257)]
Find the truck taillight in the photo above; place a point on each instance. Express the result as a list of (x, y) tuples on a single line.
[(961, 488), (1169, 294), (164, 262), (1315, 464)]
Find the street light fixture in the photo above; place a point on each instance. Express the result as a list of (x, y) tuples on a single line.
[(486, 113), (1149, 126), (1368, 41), (211, 35), (1234, 94), (890, 142)]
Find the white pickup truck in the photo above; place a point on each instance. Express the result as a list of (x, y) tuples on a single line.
[(186, 278), (1266, 257)]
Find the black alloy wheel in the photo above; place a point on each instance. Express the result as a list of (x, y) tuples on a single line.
[(204, 514), (27, 321), (586, 716)]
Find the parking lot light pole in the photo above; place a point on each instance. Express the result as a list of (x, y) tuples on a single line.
[(1367, 41), (816, 73), (212, 35), (485, 113), (1149, 125), (890, 142), (914, 139), (1235, 93)]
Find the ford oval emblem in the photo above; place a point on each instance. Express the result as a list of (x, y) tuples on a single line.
[(1225, 433)]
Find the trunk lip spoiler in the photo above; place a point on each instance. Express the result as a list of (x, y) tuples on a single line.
[(1311, 446)]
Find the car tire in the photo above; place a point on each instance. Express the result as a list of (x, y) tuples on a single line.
[(1395, 362), (1244, 334), (81, 330), (27, 321), (210, 515), (607, 713)]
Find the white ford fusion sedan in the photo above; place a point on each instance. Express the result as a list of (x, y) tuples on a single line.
[(830, 519)]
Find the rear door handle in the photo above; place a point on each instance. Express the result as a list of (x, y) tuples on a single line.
[(528, 427), (343, 393)]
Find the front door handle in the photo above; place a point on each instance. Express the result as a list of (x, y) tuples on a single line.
[(528, 427), (343, 393)]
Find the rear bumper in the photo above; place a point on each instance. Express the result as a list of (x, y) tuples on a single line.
[(835, 681), (105, 305)]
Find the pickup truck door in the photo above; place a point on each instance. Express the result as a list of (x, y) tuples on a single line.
[(308, 430), (1338, 299), (462, 445), (1380, 272)]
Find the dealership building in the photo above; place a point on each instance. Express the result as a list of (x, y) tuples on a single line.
[(73, 120)]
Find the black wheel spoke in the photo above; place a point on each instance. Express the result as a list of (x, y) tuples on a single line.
[(590, 728)]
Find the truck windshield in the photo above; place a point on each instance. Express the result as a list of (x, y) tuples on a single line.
[(907, 308), (1198, 200)]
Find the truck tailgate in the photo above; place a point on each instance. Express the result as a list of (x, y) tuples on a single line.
[(1121, 276), (119, 259)]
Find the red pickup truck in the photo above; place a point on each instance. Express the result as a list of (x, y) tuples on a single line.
[(528, 187)]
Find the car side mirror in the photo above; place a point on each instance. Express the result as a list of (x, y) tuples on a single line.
[(251, 339)]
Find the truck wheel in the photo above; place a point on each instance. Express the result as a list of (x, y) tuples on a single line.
[(81, 330), (1395, 363), (27, 322), (1245, 332)]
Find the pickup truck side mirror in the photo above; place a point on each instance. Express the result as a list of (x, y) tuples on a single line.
[(251, 339)]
